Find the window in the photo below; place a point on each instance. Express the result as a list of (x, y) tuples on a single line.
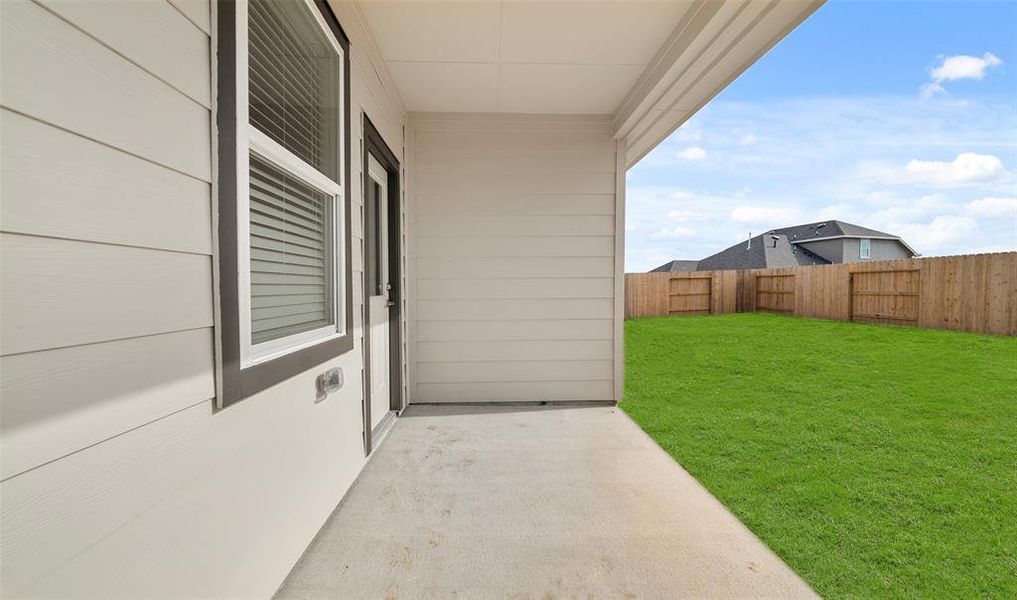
[(864, 248), (292, 265), (374, 252), (284, 241)]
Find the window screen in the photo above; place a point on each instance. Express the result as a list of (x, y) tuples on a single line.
[(294, 82), (864, 248), (291, 256)]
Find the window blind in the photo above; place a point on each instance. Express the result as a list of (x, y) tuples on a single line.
[(291, 278), (293, 82)]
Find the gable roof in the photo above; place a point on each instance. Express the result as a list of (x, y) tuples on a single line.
[(828, 229), (676, 266), (834, 229), (761, 252), (782, 247)]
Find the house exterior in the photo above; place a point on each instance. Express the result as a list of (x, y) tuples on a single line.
[(840, 242), (239, 238), (676, 266), (823, 243)]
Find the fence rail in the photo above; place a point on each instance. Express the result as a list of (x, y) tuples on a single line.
[(976, 292)]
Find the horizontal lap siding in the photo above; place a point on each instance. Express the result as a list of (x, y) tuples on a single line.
[(495, 267), (547, 246), (106, 284), (513, 226), (831, 250), (530, 329), (60, 293), (887, 250), (106, 223), (513, 260), (142, 32), (59, 401), (191, 505), (462, 288), (66, 186), (58, 74), (118, 480), (519, 204)]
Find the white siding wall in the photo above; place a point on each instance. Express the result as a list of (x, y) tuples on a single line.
[(117, 478), (513, 246), (106, 223)]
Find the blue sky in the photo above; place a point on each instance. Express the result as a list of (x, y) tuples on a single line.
[(900, 116)]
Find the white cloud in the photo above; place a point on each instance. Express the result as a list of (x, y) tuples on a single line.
[(671, 234), (993, 207), (952, 68), (968, 167), (684, 216), (965, 67), (692, 153), (942, 230), (774, 216), (747, 140), (681, 195), (898, 214), (688, 132), (843, 211), (840, 158), (933, 202)]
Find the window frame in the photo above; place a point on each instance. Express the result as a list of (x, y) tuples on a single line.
[(864, 248), (244, 368)]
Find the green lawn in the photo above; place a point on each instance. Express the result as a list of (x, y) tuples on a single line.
[(876, 461)]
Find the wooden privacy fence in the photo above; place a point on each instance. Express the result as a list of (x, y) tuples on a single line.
[(690, 295), (655, 294), (889, 296), (775, 293), (976, 292)]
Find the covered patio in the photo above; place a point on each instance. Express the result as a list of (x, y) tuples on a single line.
[(532, 502), (263, 255)]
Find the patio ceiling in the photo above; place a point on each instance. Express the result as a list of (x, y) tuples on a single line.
[(519, 57), (650, 64)]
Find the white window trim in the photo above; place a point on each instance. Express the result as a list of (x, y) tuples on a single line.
[(250, 139), (864, 248), (273, 152)]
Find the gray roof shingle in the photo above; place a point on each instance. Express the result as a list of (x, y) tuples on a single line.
[(676, 266), (765, 251), (777, 248), (824, 229)]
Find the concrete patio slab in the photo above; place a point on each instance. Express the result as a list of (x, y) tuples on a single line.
[(532, 502)]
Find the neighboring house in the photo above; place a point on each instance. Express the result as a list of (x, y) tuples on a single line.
[(760, 252), (840, 242), (676, 266), (822, 243), (238, 238)]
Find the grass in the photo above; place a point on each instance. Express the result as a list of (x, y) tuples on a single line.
[(876, 461)]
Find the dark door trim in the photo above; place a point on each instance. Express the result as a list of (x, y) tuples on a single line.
[(374, 145)]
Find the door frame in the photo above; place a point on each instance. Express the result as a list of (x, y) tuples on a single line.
[(374, 145)]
